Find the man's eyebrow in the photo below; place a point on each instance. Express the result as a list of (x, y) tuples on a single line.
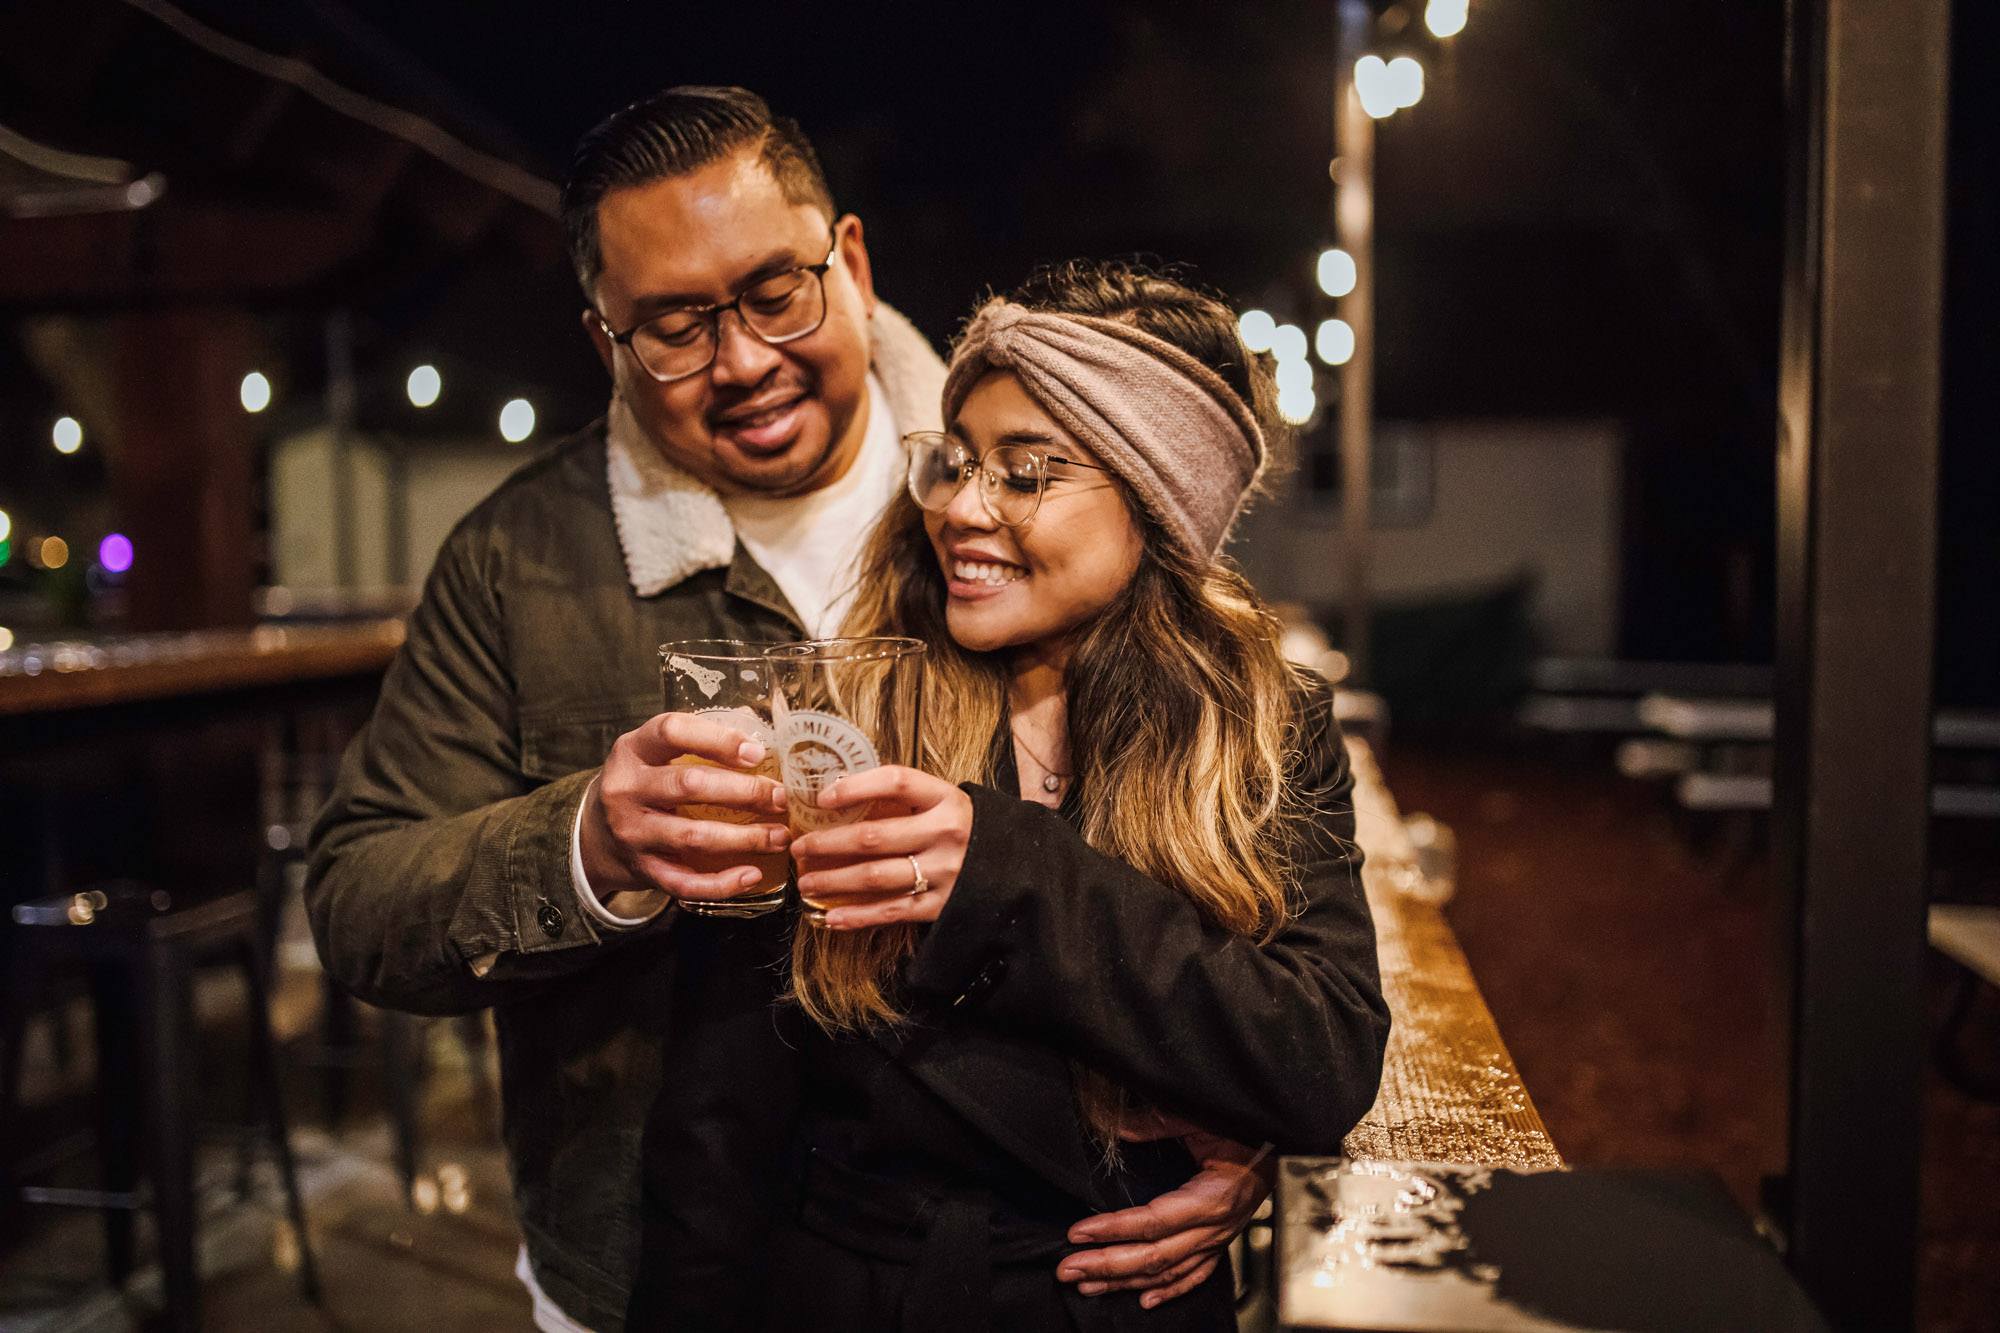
[(773, 263)]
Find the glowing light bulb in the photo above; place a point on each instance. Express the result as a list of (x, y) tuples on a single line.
[(1256, 328), (1296, 405), (1406, 81), (68, 435), (517, 420), (1337, 274), (1334, 341), (256, 392), (1445, 18), (1289, 343), (1372, 85), (425, 385), (115, 553)]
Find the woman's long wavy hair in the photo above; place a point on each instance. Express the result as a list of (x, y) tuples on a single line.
[(1181, 734)]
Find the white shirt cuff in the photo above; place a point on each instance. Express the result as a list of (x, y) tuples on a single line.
[(581, 882)]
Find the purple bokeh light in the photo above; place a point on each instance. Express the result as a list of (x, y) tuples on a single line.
[(115, 553)]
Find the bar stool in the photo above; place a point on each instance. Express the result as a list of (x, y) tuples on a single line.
[(141, 948)]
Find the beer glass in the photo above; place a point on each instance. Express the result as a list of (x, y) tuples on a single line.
[(841, 706), (728, 682)]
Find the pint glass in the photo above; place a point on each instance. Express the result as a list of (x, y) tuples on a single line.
[(727, 682), (841, 706)]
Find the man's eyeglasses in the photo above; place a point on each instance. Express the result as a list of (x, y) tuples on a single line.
[(682, 342), (1012, 478)]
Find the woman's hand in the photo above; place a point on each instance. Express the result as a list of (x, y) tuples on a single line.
[(869, 861)]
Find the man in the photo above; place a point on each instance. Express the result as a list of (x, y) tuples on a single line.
[(503, 831)]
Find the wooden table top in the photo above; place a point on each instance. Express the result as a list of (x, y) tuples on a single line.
[(1450, 1092), (78, 674)]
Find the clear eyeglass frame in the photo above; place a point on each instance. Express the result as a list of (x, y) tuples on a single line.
[(1013, 478)]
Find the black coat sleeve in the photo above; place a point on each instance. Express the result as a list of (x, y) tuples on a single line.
[(1278, 1042)]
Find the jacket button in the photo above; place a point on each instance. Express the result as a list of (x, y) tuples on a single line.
[(550, 918)]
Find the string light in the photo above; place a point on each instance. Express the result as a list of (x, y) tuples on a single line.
[(1446, 18), (1334, 342), (1289, 343), (517, 420), (1406, 80), (1371, 84), (115, 553), (256, 392), (1293, 376), (68, 435), (1256, 327), (425, 385), (1337, 274)]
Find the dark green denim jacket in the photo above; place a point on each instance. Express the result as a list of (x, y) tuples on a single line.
[(447, 840)]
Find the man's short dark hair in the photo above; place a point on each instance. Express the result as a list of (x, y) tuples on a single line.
[(672, 133)]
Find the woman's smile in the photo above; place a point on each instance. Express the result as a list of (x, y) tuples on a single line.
[(973, 577)]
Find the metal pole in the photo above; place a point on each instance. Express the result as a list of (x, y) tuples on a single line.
[(1354, 211), (1857, 533)]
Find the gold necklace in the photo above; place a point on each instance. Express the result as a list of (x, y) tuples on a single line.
[(1052, 781)]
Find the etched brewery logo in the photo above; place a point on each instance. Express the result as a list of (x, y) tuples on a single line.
[(706, 679), (817, 750)]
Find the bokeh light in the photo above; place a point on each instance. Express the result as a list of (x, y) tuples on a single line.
[(1371, 84), (1446, 18), (115, 553), (256, 392), (425, 385), (1289, 343), (68, 435), (517, 420), (1256, 328), (1293, 376), (1337, 274), (1406, 80), (55, 553), (1296, 405), (1334, 342), (6, 525), (6, 638)]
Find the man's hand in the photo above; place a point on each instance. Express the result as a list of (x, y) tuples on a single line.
[(1170, 1246), (637, 843)]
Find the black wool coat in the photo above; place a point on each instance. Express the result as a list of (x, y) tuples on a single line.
[(934, 1171)]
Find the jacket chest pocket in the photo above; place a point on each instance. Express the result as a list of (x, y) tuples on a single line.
[(556, 742)]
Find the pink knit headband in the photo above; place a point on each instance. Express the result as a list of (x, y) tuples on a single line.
[(1163, 421)]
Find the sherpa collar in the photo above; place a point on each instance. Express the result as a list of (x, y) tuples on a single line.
[(671, 526)]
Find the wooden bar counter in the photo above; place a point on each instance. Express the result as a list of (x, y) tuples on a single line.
[(1450, 1092), (64, 676)]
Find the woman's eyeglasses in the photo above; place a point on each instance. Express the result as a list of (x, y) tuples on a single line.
[(1012, 478)]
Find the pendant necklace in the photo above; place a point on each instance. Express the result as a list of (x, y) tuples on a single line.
[(1052, 781)]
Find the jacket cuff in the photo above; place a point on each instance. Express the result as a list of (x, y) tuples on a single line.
[(522, 898), (964, 953)]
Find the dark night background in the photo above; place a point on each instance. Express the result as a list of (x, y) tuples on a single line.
[(1579, 225)]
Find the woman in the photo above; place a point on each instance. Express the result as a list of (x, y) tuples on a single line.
[(1127, 898)]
